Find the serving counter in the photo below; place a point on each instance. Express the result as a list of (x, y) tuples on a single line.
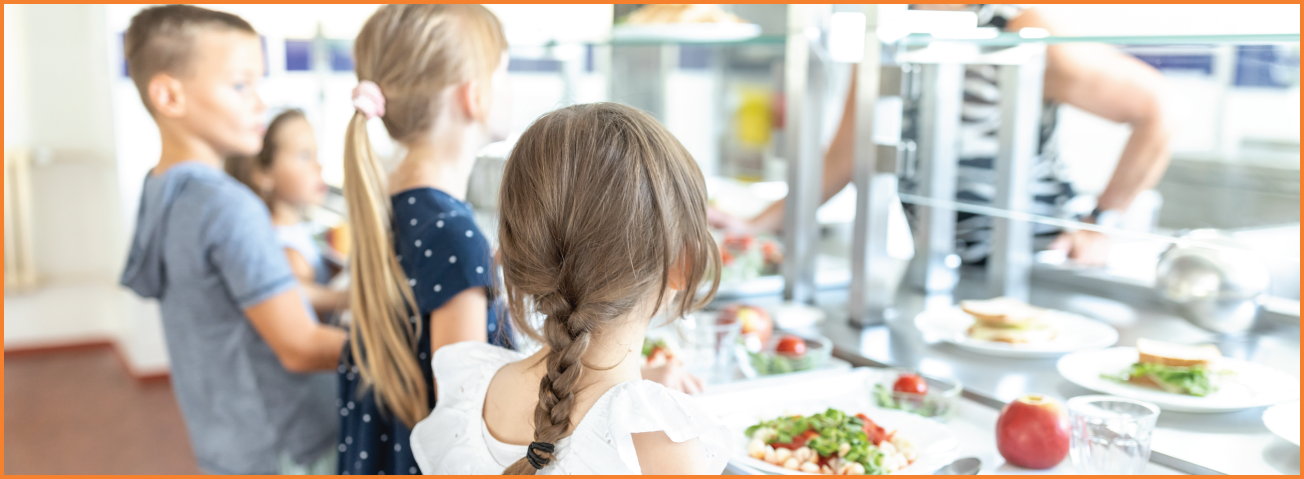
[(1231, 443)]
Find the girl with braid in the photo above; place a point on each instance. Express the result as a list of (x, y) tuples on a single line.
[(602, 228)]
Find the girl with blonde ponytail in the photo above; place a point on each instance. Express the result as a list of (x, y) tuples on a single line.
[(421, 271), (603, 227)]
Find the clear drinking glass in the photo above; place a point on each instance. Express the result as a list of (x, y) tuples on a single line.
[(708, 347), (1110, 434)]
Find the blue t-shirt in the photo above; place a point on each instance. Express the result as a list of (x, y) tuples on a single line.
[(443, 253), (204, 246)]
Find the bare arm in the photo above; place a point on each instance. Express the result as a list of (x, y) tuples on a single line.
[(323, 299), (301, 344), (462, 318), (657, 454), (1105, 82), (839, 165)]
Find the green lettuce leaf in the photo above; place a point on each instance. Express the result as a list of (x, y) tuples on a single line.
[(1193, 381)]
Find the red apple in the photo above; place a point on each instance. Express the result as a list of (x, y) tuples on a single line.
[(1033, 432), (756, 321)]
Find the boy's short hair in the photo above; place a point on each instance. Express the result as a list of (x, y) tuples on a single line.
[(161, 39)]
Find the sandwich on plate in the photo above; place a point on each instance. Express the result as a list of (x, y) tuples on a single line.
[(1009, 320), (1175, 368)]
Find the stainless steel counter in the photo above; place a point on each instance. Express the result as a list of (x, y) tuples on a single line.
[(1234, 443)]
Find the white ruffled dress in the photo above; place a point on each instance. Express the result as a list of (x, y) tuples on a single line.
[(455, 440)]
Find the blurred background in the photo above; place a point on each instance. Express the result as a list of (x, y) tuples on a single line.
[(78, 144)]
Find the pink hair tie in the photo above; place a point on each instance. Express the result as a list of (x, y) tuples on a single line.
[(368, 99)]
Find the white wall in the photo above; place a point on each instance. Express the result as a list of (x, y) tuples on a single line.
[(59, 102), (59, 91), (16, 128), (68, 84)]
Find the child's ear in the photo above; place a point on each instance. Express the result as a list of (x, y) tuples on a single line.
[(679, 275), (474, 104), (165, 93)]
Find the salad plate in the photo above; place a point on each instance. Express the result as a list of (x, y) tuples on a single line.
[(933, 443), (743, 404)]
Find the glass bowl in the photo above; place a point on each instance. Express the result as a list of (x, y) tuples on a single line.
[(940, 402), (767, 362)]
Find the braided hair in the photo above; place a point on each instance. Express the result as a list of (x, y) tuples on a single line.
[(599, 203)]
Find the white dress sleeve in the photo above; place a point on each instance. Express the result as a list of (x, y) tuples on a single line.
[(645, 406), (463, 372), (466, 368)]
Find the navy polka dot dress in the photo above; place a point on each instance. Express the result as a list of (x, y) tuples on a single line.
[(443, 253)]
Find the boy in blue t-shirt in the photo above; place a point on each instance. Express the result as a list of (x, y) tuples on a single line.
[(242, 345)]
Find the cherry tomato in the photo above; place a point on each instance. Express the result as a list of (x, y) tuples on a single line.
[(875, 433), (790, 345), (798, 441), (911, 383)]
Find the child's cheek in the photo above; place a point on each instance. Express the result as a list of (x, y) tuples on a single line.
[(314, 189)]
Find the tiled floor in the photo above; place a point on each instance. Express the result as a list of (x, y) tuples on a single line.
[(78, 412)]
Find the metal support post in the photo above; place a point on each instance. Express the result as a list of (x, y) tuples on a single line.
[(1010, 262), (875, 178), (803, 107), (935, 263)]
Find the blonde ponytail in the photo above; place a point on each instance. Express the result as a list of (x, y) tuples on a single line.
[(411, 53), (383, 339)]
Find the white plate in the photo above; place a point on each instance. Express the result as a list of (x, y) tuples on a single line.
[(1249, 385), (741, 404), (935, 441), (1283, 420), (687, 32), (1076, 333)]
